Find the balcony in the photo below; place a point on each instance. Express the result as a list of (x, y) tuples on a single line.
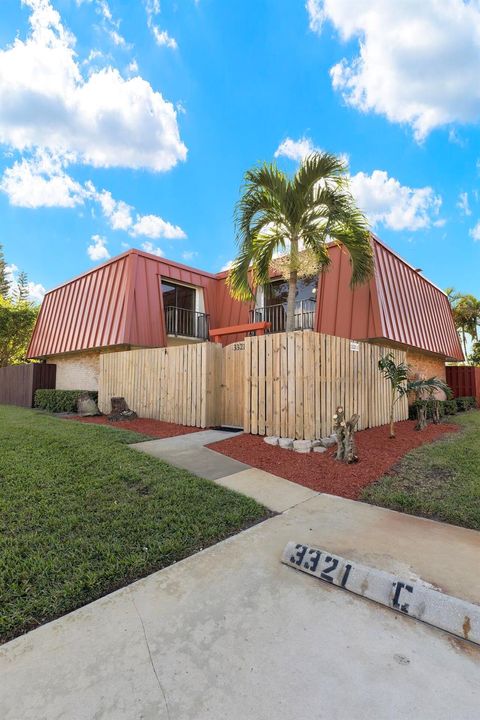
[(186, 323), (277, 316)]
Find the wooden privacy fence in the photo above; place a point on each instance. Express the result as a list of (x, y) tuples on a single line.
[(18, 383), (177, 384), (464, 380), (294, 382), (285, 384)]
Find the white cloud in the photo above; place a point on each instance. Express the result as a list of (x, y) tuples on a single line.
[(152, 8), (10, 272), (227, 266), (154, 227), (150, 248), (398, 207), (41, 181), (163, 38), (316, 15), (417, 62), (36, 292), (189, 254), (97, 250), (475, 232), (133, 67), (109, 24), (295, 149), (118, 213), (103, 120), (463, 204)]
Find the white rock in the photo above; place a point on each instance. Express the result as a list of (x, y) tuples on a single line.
[(286, 443), (302, 446), (319, 449), (271, 440), (328, 442), (316, 443)]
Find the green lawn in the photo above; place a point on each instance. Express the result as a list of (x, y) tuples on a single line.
[(81, 514), (440, 480)]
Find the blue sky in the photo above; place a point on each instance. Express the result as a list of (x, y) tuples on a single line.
[(130, 124)]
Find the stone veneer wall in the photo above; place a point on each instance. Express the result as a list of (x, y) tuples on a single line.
[(77, 371), (425, 365)]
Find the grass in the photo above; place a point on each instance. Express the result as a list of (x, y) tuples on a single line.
[(440, 480), (81, 514)]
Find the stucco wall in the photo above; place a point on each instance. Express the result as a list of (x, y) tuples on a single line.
[(77, 371)]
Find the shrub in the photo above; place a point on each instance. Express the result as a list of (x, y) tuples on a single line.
[(56, 401), (450, 407), (412, 410), (465, 403)]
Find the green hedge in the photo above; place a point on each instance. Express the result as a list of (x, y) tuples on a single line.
[(466, 403), (446, 407), (57, 401)]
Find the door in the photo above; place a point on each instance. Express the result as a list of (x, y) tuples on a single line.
[(233, 384)]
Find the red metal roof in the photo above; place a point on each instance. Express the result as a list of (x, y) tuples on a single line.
[(398, 304), (120, 303)]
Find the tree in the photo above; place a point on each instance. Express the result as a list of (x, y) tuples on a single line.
[(397, 375), (466, 315), (21, 291), (474, 357), (17, 319), (297, 216), (469, 309), (424, 390), (4, 281)]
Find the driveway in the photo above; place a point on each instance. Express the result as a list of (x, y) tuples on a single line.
[(232, 633)]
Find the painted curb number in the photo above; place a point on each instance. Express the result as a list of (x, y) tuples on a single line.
[(413, 598)]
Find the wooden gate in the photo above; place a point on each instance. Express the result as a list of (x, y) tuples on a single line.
[(233, 384)]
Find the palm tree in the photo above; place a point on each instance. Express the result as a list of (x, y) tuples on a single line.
[(424, 390), (466, 315), (296, 216), (397, 376)]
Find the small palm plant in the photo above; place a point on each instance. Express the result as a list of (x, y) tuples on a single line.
[(425, 390), (422, 388), (297, 217), (397, 375)]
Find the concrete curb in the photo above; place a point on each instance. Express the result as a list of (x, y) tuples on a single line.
[(414, 598)]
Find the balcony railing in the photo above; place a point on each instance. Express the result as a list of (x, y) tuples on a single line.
[(187, 323), (277, 316)]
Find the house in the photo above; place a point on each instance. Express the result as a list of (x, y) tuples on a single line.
[(140, 300)]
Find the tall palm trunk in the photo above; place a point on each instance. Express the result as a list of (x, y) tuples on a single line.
[(392, 408), (292, 285)]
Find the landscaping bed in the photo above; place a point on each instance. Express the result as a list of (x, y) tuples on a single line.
[(82, 514), (321, 471), (145, 426)]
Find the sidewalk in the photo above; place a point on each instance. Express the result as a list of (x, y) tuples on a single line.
[(188, 452), (231, 632)]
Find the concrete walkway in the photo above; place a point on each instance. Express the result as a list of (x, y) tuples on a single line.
[(233, 633), (188, 452)]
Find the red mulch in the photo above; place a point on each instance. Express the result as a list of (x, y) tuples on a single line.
[(320, 471), (154, 428)]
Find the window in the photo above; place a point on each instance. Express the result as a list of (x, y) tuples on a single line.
[(276, 292), (178, 296)]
